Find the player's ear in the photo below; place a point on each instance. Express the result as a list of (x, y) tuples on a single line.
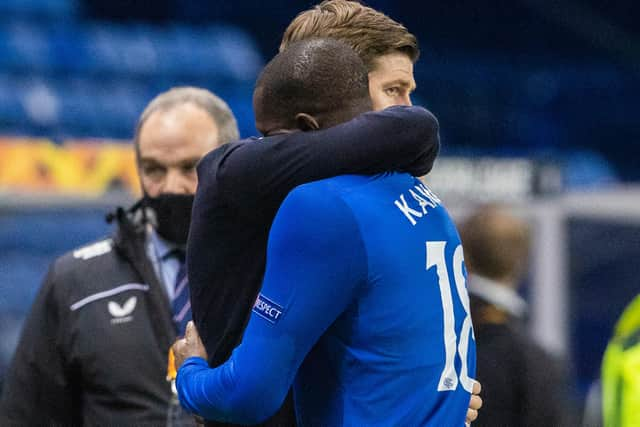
[(306, 122)]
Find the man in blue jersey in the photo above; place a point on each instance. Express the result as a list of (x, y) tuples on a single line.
[(363, 306)]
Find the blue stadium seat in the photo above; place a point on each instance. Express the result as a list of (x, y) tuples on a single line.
[(219, 53), (11, 109), (236, 51), (68, 49), (41, 103), (81, 79), (103, 48), (48, 9), (114, 49), (26, 46), (119, 106), (78, 102)]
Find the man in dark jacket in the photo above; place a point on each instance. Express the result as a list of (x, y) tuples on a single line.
[(94, 347), (522, 384)]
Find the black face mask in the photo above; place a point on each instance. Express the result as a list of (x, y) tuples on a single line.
[(171, 215)]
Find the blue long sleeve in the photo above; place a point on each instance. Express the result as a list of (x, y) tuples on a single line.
[(315, 263)]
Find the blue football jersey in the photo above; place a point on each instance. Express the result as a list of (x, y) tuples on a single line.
[(364, 308), (403, 352)]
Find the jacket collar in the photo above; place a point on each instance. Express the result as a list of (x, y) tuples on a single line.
[(501, 295), (130, 242)]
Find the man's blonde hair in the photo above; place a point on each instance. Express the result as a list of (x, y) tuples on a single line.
[(369, 32)]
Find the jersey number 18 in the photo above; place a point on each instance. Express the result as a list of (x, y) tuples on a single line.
[(436, 258)]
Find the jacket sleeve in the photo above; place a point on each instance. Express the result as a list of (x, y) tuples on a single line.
[(38, 390), (263, 172), (546, 397)]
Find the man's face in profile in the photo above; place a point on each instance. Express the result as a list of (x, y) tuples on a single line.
[(170, 144), (391, 80)]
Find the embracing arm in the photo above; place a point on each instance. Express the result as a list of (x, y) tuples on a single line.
[(396, 139), (315, 264)]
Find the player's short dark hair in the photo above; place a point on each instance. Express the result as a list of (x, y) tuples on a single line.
[(315, 76)]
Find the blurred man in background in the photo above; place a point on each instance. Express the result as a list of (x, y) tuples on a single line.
[(522, 384), (94, 347), (333, 301)]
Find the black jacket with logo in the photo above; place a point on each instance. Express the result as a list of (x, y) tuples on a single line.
[(94, 348)]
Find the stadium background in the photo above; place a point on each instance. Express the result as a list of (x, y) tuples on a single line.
[(537, 102)]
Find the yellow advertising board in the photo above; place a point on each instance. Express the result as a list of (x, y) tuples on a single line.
[(88, 168)]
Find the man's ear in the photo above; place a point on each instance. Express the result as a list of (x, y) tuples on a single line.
[(306, 122)]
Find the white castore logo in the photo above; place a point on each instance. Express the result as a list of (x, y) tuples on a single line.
[(121, 314), (93, 250)]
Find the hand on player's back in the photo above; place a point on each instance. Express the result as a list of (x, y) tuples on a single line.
[(189, 346), (475, 403)]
